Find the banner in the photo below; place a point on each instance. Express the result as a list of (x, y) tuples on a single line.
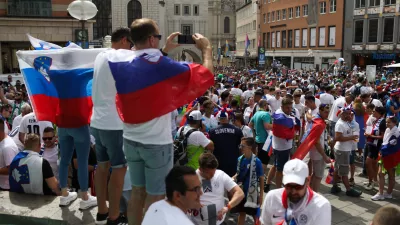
[(261, 55), (371, 72)]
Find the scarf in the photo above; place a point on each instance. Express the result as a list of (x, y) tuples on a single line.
[(292, 213), (252, 191)]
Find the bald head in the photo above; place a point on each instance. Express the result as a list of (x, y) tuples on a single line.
[(142, 30)]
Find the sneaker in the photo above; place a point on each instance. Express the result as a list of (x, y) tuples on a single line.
[(378, 197), (366, 183), (335, 189), (266, 188), (369, 186), (351, 182), (121, 220), (353, 193), (387, 196), (92, 201), (101, 219), (64, 201)]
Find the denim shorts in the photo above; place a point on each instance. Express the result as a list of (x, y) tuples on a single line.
[(281, 157), (109, 147), (148, 165)]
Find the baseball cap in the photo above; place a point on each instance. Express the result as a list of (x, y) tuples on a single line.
[(195, 115), (295, 171), (222, 114)]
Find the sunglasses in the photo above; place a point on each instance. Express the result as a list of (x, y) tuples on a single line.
[(294, 186), (47, 138), (158, 36)]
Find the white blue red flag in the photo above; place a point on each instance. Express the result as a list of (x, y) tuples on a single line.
[(38, 44), (390, 149), (283, 126)]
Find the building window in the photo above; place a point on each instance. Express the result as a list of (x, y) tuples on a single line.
[(269, 17), (186, 29), (284, 39), (254, 43), (39, 8), (195, 10), (305, 10), (332, 36), (390, 2), (265, 18), (273, 40), (321, 41), (278, 15), (373, 30), (283, 14), (304, 41), (296, 38), (360, 4), (313, 35), (103, 25), (278, 39), (264, 40), (358, 31), (374, 2), (290, 38), (268, 40), (227, 25), (177, 9), (297, 11), (186, 10), (134, 11), (290, 13), (254, 25), (269, 1), (332, 6), (388, 27), (273, 16), (322, 7)]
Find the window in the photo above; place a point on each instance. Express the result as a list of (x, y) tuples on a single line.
[(388, 28), (227, 25), (332, 6), (374, 2), (134, 11), (41, 8), (254, 25), (358, 31), (304, 42), (322, 7), (195, 10), (187, 29), (390, 2), (290, 38), (103, 25), (360, 4), (273, 40), (186, 10), (321, 36), (290, 13), (269, 17), (284, 39), (332, 36), (305, 10), (268, 40), (278, 15), (254, 43), (283, 14), (278, 39), (313, 35), (296, 38), (264, 40), (373, 30), (273, 16), (265, 18), (177, 10), (297, 11)]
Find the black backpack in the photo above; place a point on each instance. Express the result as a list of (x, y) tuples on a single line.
[(180, 145)]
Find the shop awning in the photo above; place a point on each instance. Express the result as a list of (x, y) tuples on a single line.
[(397, 65)]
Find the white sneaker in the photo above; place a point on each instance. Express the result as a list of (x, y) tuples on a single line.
[(378, 197), (92, 201), (369, 187), (64, 201), (387, 196)]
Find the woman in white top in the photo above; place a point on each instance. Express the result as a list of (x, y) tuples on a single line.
[(239, 122), (249, 110)]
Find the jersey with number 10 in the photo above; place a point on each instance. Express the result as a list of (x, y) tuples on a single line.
[(29, 124)]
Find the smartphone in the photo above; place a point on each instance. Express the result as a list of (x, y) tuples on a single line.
[(185, 39)]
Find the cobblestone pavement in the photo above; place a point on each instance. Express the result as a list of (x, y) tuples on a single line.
[(345, 210)]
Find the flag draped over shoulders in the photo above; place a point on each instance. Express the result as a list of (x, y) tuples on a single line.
[(390, 149), (283, 126), (310, 138), (150, 85)]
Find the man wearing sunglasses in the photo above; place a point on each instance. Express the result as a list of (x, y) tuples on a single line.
[(296, 203), (50, 149)]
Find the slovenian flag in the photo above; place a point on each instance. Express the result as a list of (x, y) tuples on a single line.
[(38, 44), (390, 151), (150, 85), (283, 126), (268, 143), (310, 138), (59, 83)]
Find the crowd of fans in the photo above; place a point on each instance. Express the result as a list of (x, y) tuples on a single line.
[(236, 139)]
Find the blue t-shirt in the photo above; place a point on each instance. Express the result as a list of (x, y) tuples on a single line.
[(245, 168), (395, 104)]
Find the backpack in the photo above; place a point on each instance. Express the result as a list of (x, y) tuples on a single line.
[(180, 148), (357, 90)]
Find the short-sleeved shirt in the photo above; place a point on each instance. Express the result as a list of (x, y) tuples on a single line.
[(258, 120), (244, 174), (346, 129)]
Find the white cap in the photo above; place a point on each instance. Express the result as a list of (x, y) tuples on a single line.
[(294, 82), (295, 171), (195, 115)]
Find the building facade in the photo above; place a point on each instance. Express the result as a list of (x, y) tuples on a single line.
[(303, 34), (371, 33), (247, 25)]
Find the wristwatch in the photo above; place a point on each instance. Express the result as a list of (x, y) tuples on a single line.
[(164, 53)]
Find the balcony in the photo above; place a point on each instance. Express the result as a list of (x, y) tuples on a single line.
[(223, 36)]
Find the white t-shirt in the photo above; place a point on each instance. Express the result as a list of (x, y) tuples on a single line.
[(301, 108), (314, 154), (174, 116), (274, 104), (29, 124), (6, 130), (247, 113), (214, 98), (15, 107), (326, 99), (247, 94), (211, 122), (8, 150), (51, 155), (337, 104), (17, 120), (377, 103), (247, 132), (196, 138), (344, 128), (105, 115), (164, 213), (313, 113), (303, 101), (236, 91), (318, 210), (213, 197)]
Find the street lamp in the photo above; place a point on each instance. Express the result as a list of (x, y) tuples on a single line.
[(82, 10)]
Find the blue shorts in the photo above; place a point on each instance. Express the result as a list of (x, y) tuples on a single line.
[(149, 165), (109, 147), (281, 157)]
